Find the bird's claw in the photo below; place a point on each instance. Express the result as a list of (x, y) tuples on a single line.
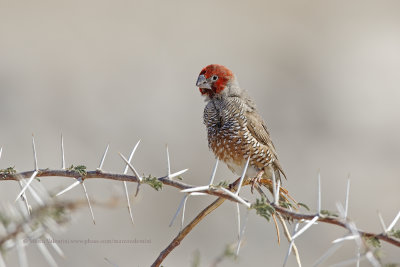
[(256, 179)]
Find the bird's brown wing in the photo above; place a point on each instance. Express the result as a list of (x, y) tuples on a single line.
[(258, 129)]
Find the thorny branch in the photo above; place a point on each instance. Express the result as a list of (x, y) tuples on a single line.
[(98, 174)]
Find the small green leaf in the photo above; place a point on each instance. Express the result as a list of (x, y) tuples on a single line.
[(81, 169), (7, 171), (224, 184), (395, 233), (304, 206), (328, 213), (153, 182), (285, 204), (373, 241), (263, 208)]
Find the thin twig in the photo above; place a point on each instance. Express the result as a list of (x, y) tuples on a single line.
[(276, 228), (185, 231)]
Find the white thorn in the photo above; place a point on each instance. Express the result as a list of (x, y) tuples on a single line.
[(198, 194), (349, 261), (194, 189), (296, 227), (2, 262), (346, 205), (23, 261), (177, 173), (137, 189), (69, 187), (62, 153), (110, 262), (340, 209), (131, 167), (242, 232), (125, 183), (131, 156), (35, 195), (236, 197), (34, 153), (347, 237), (276, 197), (328, 253), (128, 201), (288, 253), (382, 222), (183, 212), (22, 208), (238, 219), (274, 186), (319, 193), (305, 227), (88, 201), (393, 222), (214, 172), (1, 151), (55, 245), (243, 175), (104, 157), (354, 231), (24, 198), (358, 257), (371, 258), (46, 254), (27, 184), (168, 163), (179, 209)]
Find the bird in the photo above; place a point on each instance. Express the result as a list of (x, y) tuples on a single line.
[(235, 129)]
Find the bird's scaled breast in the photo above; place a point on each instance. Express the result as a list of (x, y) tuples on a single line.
[(229, 137), (226, 127)]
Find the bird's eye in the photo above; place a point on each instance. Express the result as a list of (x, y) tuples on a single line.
[(214, 78)]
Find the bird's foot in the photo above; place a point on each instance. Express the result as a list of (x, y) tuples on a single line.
[(256, 179)]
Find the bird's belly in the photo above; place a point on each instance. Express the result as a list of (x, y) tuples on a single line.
[(232, 149), (238, 168)]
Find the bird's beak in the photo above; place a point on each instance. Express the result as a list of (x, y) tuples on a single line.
[(202, 82)]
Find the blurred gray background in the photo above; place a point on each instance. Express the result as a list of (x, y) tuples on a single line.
[(325, 76)]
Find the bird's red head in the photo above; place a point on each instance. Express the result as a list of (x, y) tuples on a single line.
[(213, 79)]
